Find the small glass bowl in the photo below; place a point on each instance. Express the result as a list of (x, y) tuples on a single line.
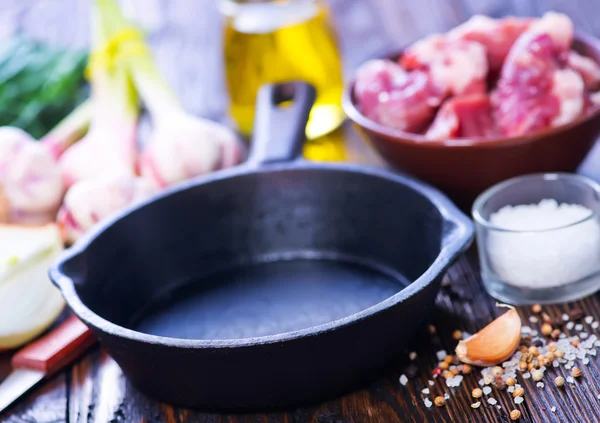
[(539, 262)]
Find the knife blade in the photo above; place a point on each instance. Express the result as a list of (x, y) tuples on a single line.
[(44, 357)]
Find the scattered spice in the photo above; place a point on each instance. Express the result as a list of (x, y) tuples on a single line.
[(559, 381), (576, 314), (412, 355), (515, 415), (497, 371), (534, 351), (546, 329), (575, 342), (487, 390), (511, 381), (448, 359), (536, 308), (439, 401), (575, 372), (559, 354), (555, 333), (477, 393), (552, 346), (457, 335), (518, 392), (466, 369), (500, 384), (546, 317), (444, 365), (537, 375), (476, 405)]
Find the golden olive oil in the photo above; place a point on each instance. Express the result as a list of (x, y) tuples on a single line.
[(278, 41)]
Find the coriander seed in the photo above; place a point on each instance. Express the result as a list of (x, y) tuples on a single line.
[(549, 356), (455, 371), (518, 392), (559, 381), (497, 371), (457, 335), (511, 381), (444, 365), (575, 342), (477, 393), (559, 353), (448, 359), (552, 346), (439, 401), (537, 375), (534, 350), (536, 308), (466, 369), (575, 372), (546, 329), (515, 415)]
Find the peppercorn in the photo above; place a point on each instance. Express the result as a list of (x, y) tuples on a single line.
[(575, 372), (511, 381), (499, 384), (518, 392), (559, 381), (536, 308), (515, 415), (439, 401), (576, 314), (477, 393), (546, 329)]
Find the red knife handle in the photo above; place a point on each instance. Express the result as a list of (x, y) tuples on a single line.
[(57, 349)]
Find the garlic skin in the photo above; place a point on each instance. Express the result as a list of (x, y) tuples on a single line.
[(29, 302), (183, 147), (30, 178), (90, 201)]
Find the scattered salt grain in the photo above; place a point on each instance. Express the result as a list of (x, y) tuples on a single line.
[(570, 325), (534, 333), (519, 400), (481, 382), (425, 391), (533, 319), (562, 336), (526, 375), (595, 325), (428, 403), (441, 355), (412, 355), (403, 380), (446, 396), (555, 363), (598, 396), (499, 407), (492, 401), (588, 319), (510, 389), (487, 390), (583, 335), (570, 379), (525, 330), (455, 381), (553, 409), (540, 385), (431, 383), (565, 317), (578, 326), (586, 361)]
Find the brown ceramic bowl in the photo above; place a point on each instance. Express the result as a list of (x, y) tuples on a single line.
[(463, 168)]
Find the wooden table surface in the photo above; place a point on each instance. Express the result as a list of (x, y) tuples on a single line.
[(185, 35)]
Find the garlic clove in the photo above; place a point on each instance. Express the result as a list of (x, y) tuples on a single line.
[(494, 343), (29, 302)]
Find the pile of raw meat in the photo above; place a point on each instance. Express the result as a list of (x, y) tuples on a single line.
[(485, 78)]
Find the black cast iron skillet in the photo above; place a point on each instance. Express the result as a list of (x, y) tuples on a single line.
[(276, 283)]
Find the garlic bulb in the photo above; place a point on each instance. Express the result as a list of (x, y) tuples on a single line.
[(29, 302)]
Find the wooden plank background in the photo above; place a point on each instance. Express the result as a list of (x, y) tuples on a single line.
[(186, 39)]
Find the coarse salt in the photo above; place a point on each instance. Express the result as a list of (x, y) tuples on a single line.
[(446, 396), (588, 319), (403, 380), (441, 355), (487, 390), (431, 383), (565, 317), (553, 409), (579, 326), (570, 325), (492, 401), (519, 400), (540, 384), (546, 258), (428, 403), (425, 391), (533, 319)]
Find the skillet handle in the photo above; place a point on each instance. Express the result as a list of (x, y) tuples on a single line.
[(282, 112)]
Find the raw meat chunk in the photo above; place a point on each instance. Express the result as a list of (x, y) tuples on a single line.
[(459, 66), (395, 98), (535, 90), (496, 36), (463, 117), (587, 68)]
